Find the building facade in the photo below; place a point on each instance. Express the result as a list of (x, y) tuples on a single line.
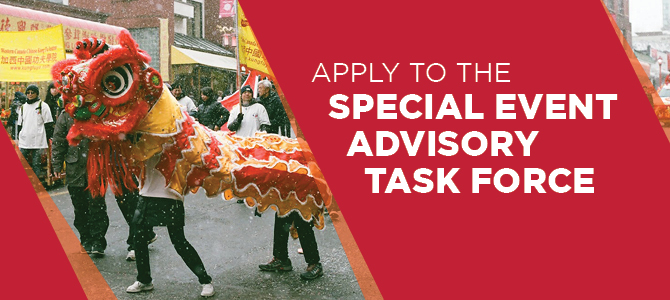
[(619, 10)]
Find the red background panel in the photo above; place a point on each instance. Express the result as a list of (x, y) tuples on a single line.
[(34, 265), (611, 244)]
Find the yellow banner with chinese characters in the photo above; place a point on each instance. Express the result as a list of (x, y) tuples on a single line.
[(251, 54), (28, 55)]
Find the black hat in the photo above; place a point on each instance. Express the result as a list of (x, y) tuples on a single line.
[(246, 88), (33, 88), (19, 96)]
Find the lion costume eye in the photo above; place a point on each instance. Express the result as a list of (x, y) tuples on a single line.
[(117, 81)]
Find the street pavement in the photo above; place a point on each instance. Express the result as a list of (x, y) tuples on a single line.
[(232, 243)]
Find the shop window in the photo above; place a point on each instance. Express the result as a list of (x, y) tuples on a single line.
[(195, 23), (189, 17), (180, 24)]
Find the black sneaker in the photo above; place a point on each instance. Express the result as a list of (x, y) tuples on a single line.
[(313, 271), (277, 265)]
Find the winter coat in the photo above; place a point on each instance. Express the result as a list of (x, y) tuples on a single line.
[(35, 124), (52, 101), (277, 114), (75, 157), (50, 127), (211, 114), (19, 99)]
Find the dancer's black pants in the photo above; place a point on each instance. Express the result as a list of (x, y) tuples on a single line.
[(305, 234)]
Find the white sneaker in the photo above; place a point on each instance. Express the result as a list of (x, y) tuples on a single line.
[(131, 255), (139, 287), (207, 290)]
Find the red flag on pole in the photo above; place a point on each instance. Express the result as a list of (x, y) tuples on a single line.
[(232, 100)]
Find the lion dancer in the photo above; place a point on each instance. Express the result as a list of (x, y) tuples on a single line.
[(161, 206)]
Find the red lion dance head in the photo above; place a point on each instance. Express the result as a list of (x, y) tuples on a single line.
[(107, 89)]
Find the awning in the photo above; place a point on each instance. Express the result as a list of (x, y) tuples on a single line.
[(199, 44), (181, 56)]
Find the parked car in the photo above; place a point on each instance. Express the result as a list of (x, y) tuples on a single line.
[(665, 94)]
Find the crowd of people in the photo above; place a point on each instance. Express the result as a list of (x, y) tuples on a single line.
[(154, 204)]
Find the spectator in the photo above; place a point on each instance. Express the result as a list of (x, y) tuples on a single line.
[(15, 106), (211, 113), (279, 123), (35, 120), (52, 99), (185, 102), (5, 113), (256, 117), (253, 117)]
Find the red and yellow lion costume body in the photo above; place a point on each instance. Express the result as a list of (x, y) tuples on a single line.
[(120, 104)]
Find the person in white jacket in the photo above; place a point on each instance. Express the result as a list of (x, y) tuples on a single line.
[(32, 118), (252, 118), (185, 102)]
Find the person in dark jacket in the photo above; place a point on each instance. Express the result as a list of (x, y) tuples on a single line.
[(280, 261), (19, 99), (279, 123), (52, 98), (90, 214), (211, 113)]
